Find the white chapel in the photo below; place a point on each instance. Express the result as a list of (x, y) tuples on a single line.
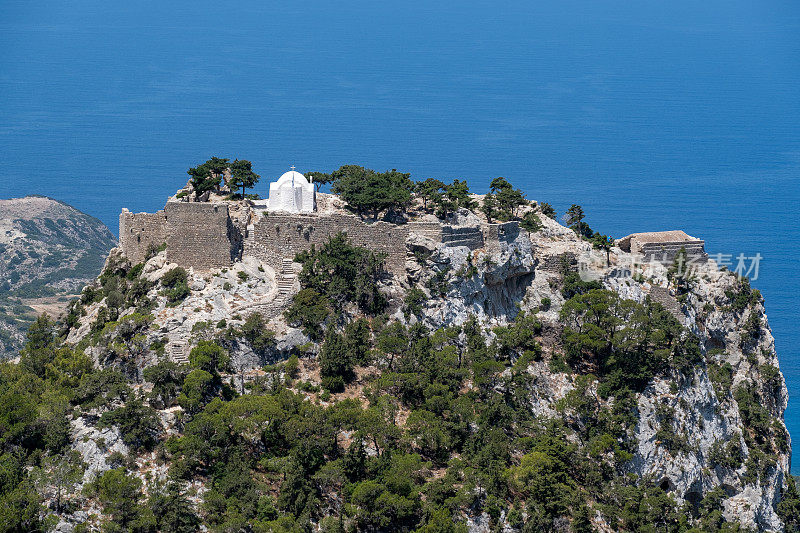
[(292, 193)]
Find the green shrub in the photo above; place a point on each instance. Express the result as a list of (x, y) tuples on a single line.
[(789, 506), (176, 286), (173, 277), (335, 362), (741, 295), (751, 331), (309, 310), (519, 337), (138, 423), (209, 356), (546, 303), (531, 222), (670, 437), (727, 455), (344, 273), (721, 377), (255, 332), (437, 283), (754, 415), (412, 304), (134, 272)]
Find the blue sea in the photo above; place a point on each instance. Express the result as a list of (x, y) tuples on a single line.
[(652, 115)]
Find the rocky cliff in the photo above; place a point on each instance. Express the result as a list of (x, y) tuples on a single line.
[(694, 412)]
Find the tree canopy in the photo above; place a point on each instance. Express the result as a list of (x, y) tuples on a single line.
[(508, 198), (242, 175), (208, 176), (429, 190), (371, 192), (342, 272), (320, 178)]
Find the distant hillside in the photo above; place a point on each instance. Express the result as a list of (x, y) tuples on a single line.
[(48, 250)]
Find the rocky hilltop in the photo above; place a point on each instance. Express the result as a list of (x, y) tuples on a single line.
[(535, 384), (48, 250)]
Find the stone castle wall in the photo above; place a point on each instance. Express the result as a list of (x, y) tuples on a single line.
[(203, 235), (558, 263), (494, 234), (663, 296), (138, 232), (431, 230), (275, 237)]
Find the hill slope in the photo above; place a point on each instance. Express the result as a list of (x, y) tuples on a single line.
[(48, 249), (482, 390)]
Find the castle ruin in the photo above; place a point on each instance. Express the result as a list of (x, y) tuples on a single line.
[(206, 236)]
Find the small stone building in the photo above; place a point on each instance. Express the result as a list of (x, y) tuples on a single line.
[(292, 193), (663, 246)]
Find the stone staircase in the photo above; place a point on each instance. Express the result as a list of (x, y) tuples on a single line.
[(286, 280), (178, 352)]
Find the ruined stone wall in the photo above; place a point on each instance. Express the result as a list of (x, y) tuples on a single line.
[(431, 230), (138, 232), (201, 235), (277, 236), (494, 234), (204, 236), (663, 296), (558, 263), (472, 237)]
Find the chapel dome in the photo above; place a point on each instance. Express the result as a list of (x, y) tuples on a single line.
[(293, 176)]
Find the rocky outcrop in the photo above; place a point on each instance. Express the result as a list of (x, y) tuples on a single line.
[(526, 271), (700, 411), (460, 282), (96, 446)]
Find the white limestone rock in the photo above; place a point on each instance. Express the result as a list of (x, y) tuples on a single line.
[(95, 446)]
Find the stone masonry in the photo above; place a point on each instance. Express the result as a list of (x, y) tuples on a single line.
[(204, 236), (274, 237), (201, 235), (663, 246), (140, 231)]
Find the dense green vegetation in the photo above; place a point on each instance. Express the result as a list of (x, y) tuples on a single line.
[(208, 176), (274, 459), (341, 273), (242, 175), (368, 192), (624, 343), (375, 425)]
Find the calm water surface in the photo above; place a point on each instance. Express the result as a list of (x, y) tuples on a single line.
[(652, 115)]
